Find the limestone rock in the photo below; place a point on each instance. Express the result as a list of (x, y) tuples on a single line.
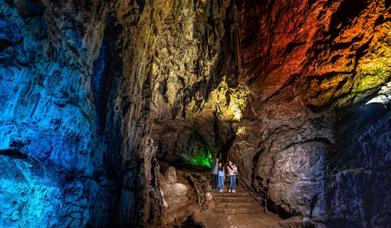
[(170, 175), (175, 190), (165, 204), (306, 82), (176, 199), (22, 180), (208, 196)]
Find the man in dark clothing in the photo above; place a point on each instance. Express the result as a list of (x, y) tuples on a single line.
[(215, 175)]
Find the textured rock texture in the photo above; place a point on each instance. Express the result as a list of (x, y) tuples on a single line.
[(83, 82), (39, 196), (94, 94), (177, 197), (47, 55), (316, 148)]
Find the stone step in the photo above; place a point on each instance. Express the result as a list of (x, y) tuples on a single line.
[(240, 202), (229, 194), (243, 204), (232, 199), (257, 210)]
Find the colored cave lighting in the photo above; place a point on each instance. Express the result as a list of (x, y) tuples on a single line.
[(383, 95), (241, 131), (28, 195), (228, 101), (200, 156), (202, 160), (237, 114), (381, 99)]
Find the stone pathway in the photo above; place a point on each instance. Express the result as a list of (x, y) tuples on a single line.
[(240, 202), (236, 210)]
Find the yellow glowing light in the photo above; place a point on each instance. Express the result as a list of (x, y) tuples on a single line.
[(228, 102), (237, 114), (241, 131)]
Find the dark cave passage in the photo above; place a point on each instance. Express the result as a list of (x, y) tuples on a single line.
[(113, 113)]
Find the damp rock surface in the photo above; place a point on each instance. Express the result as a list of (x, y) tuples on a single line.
[(311, 74), (30, 195)]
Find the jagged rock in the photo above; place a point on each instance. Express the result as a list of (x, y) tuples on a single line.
[(303, 79), (175, 190), (165, 204), (30, 193), (208, 196), (176, 199), (170, 175)]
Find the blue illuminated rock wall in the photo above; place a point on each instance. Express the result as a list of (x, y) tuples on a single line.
[(70, 103), (77, 90), (48, 113), (30, 195)]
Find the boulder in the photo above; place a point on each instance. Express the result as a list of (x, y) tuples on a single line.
[(170, 175)]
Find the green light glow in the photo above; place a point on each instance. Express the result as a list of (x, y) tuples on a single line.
[(200, 156), (202, 160)]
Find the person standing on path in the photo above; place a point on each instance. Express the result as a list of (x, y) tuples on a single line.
[(215, 175), (221, 177), (232, 171)]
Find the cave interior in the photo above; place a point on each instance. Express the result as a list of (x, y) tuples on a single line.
[(113, 112)]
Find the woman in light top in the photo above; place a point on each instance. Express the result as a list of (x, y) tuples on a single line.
[(232, 171)]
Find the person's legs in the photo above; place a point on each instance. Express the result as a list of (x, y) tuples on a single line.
[(221, 183), (211, 180), (215, 181), (231, 183)]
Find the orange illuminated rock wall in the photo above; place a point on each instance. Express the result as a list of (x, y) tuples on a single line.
[(312, 145)]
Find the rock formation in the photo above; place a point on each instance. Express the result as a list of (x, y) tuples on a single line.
[(312, 69), (96, 94)]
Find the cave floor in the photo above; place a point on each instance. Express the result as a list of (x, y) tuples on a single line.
[(236, 210), (220, 220)]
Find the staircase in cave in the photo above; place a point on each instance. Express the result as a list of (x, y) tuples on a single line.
[(239, 209), (240, 202)]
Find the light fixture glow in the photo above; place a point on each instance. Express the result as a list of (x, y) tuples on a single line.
[(237, 113)]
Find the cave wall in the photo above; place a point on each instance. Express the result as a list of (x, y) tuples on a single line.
[(48, 114), (39, 194), (85, 86), (312, 68), (194, 71), (95, 94), (169, 51)]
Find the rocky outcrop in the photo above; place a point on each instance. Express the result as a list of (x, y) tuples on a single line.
[(311, 68), (30, 194), (176, 196), (184, 195), (193, 72), (48, 114), (83, 84)]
